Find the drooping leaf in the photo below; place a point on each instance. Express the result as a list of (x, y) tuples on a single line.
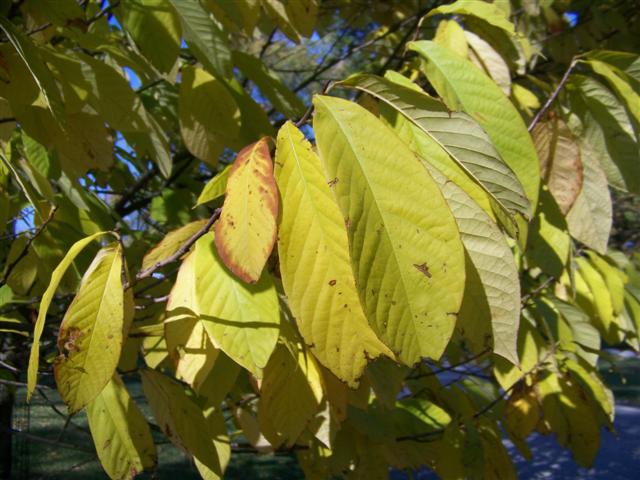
[(409, 283), (464, 87), (590, 217), (609, 129), (181, 420), (290, 394), (92, 332), (208, 114), (601, 298), (120, 432), (314, 263), (560, 161), (246, 230), (282, 99), (451, 35), (204, 37), (458, 135), (155, 28), (47, 297), (483, 55), (215, 187), (244, 321), (496, 268), (487, 12)]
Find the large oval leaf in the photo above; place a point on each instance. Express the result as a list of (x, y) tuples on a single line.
[(120, 432), (92, 330), (406, 252), (465, 87), (314, 263)]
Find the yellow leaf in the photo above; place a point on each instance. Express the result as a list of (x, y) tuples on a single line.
[(120, 432), (246, 230), (92, 331), (406, 251), (171, 242), (314, 263)]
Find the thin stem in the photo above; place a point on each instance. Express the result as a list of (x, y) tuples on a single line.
[(554, 95)]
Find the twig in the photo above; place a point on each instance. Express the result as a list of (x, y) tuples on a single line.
[(25, 250), (22, 384), (450, 367), (179, 253), (534, 293), (554, 95), (55, 443)]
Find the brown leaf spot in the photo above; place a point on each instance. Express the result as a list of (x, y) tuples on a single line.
[(422, 268), (332, 282)]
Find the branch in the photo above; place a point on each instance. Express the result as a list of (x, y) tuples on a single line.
[(179, 253), (554, 95), (534, 293), (25, 250), (450, 367)]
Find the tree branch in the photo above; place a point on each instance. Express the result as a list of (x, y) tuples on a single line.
[(553, 96)]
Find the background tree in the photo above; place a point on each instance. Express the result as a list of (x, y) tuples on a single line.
[(298, 213)]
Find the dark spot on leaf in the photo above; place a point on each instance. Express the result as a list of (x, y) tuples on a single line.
[(332, 282), (422, 268)]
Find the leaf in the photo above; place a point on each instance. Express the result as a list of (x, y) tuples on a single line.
[(120, 432), (242, 320), (601, 303), (277, 10), (584, 334), (155, 28), (187, 340), (92, 331), (458, 135), (484, 11), (464, 87), (613, 278), (495, 266), (314, 263), (620, 84), (181, 420), (171, 243), (590, 217), (47, 297), (609, 128), (408, 262), (270, 85), (207, 42), (290, 394), (215, 187), (560, 161), (548, 243), (452, 36), (208, 114), (484, 56), (246, 230), (29, 54), (303, 15)]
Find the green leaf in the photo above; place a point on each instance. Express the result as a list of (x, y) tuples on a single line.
[(584, 334), (458, 135), (487, 12), (205, 39), (609, 129), (181, 420), (208, 114), (464, 87), (155, 28), (548, 243), (43, 77), (171, 243), (408, 261), (601, 303), (270, 85), (452, 36), (215, 187), (496, 270), (620, 84), (120, 432), (314, 263), (47, 297), (92, 331), (243, 320)]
